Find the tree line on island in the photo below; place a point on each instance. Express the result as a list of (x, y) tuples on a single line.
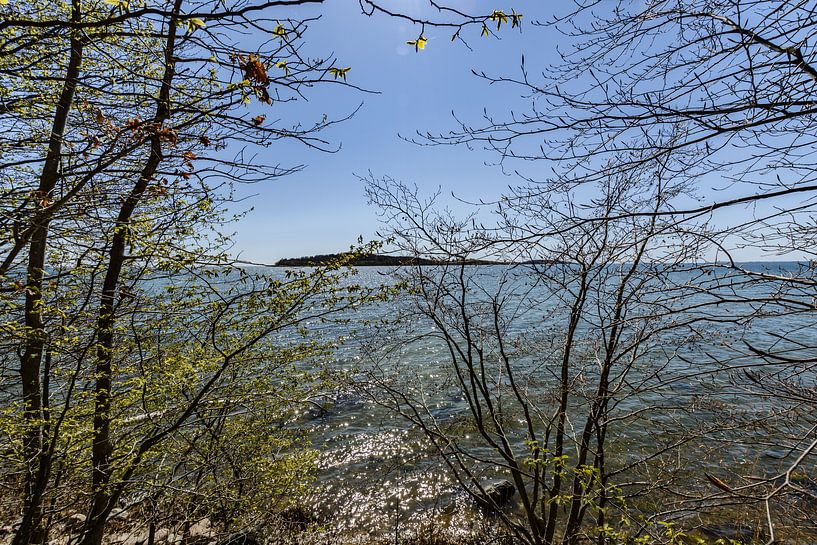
[(385, 260)]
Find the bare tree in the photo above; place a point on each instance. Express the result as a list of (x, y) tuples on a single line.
[(721, 94), (564, 357)]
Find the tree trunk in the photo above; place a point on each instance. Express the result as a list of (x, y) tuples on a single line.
[(38, 468), (102, 501)]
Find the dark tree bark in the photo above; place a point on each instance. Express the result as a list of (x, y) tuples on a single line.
[(36, 337), (103, 447)]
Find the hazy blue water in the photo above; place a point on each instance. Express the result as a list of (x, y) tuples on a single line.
[(374, 464)]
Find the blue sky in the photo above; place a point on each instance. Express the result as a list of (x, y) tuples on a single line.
[(323, 209)]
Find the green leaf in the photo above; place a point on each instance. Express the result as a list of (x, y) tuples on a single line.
[(194, 23), (500, 17), (419, 43), (340, 72), (516, 19)]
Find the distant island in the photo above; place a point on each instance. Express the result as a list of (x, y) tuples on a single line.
[(377, 260)]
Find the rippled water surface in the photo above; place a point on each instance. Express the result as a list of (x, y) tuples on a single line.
[(377, 471)]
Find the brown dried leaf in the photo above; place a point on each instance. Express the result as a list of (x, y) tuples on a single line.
[(719, 483)]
